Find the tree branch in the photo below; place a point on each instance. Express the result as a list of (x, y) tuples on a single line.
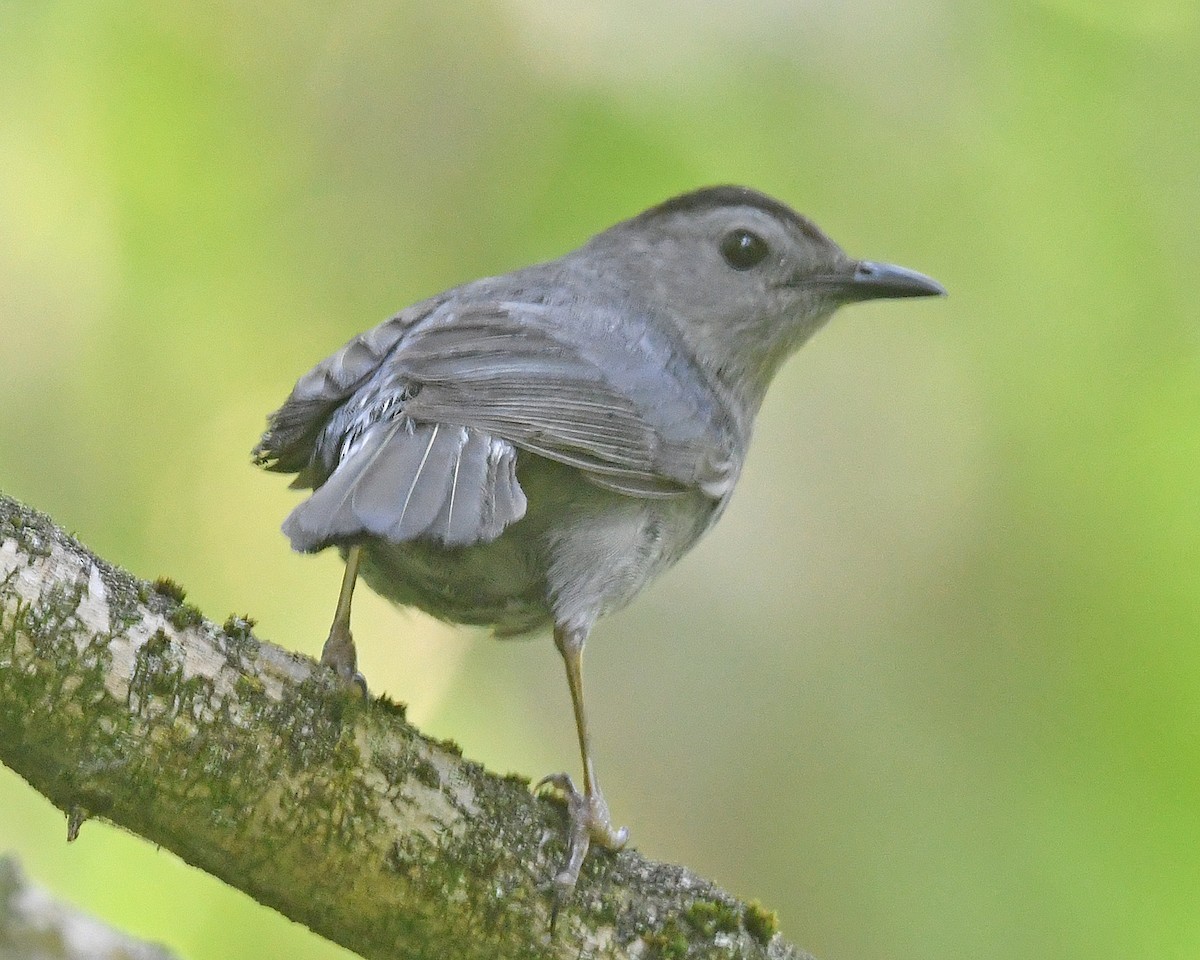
[(120, 701)]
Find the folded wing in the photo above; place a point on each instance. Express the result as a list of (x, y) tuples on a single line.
[(613, 400), (412, 429)]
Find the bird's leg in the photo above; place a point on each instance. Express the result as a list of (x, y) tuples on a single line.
[(338, 653), (590, 820)]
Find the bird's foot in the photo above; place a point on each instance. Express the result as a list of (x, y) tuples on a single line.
[(340, 656), (590, 822)]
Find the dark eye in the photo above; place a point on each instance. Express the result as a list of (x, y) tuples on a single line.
[(743, 249)]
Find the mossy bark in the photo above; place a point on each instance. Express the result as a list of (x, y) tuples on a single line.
[(118, 700)]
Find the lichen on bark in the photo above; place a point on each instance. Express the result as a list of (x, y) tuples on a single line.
[(118, 700)]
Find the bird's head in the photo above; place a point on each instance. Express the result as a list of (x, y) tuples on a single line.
[(744, 278)]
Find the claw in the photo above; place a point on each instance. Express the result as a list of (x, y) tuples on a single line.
[(589, 821), (560, 781), (340, 656)]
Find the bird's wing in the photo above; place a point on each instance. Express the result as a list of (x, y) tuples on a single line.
[(290, 443), (615, 401), (411, 429)]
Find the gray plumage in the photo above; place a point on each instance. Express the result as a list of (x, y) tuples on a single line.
[(641, 375), (533, 448)]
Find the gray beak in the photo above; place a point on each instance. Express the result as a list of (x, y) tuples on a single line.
[(877, 281)]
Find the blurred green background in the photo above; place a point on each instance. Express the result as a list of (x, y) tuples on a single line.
[(932, 687)]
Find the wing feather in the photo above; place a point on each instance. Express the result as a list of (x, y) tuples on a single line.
[(622, 408), (412, 428)]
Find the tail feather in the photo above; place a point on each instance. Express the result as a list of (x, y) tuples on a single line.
[(459, 522), (507, 496), (406, 481)]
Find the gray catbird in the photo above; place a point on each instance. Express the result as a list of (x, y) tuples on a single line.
[(530, 450)]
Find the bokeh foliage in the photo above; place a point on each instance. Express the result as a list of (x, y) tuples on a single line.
[(932, 688)]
